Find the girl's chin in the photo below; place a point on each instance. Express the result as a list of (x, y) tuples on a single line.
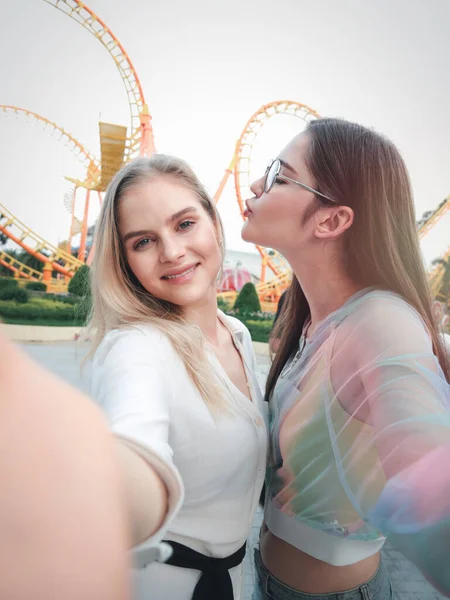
[(246, 233)]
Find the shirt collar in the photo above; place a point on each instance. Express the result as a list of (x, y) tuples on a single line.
[(235, 328)]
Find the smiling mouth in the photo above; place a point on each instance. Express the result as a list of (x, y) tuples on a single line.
[(181, 275)]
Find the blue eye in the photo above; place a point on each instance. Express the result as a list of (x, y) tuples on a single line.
[(142, 243), (186, 225)]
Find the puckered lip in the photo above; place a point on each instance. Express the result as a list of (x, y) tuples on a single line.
[(247, 204), (179, 270)]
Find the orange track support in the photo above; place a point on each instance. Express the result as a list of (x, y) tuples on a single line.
[(27, 239)]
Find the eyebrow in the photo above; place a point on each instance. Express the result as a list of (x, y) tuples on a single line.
[(286, 165), (172, 218)]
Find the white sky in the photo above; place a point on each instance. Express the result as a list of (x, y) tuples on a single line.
[(206, 67)]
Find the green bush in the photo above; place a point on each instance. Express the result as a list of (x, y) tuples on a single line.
[(14, 293), (36, 286), (65, 298), (83, 309), (7, 282), (35, 310), (46, 304), (259, 330), (248, 300), (223, 305), (79, 285)]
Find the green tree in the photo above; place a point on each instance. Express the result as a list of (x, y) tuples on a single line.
[(30, 260), (443, 293), (3, 236), (80, 285), (4, 271), (248, 300)]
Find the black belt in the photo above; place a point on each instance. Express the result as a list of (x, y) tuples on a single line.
[(215, 580)]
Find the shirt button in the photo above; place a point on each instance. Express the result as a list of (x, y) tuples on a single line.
[(259, 422)]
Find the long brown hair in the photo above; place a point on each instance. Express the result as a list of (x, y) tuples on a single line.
[(362, 169)]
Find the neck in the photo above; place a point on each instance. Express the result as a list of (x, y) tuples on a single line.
[(204, 315), (325, 286)]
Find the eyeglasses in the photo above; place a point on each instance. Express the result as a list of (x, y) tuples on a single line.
[(273, 172)]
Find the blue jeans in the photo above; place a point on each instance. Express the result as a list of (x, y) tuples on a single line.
[(270, 588)]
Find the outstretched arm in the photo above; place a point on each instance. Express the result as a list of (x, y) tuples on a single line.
[(62, 506)]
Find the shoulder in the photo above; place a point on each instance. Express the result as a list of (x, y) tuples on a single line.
[(383, 307), (142, 341), (130, 362), (383, 321)]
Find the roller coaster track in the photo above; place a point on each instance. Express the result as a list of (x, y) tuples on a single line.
[(23, 271), (35, 245), (19, 268), (437, 214), (424, 227), (86, 157), (140, 138), (436, 275)]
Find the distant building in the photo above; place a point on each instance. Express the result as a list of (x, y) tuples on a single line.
[(234, 278), (251, 261)]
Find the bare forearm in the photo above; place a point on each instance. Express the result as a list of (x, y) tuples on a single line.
[(145, 494)]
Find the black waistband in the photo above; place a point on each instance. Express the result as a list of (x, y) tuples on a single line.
[(215, 580)]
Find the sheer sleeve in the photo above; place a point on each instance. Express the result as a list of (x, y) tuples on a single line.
[(385, 376)]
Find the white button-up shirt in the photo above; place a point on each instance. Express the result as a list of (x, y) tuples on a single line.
[(213, 466)]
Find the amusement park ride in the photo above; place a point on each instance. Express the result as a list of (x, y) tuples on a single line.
[(117, 148)]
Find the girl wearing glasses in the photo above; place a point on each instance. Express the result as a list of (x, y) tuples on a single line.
[(175, 379), (359, 389)]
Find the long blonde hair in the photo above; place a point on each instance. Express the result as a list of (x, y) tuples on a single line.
[(362, 169), (119, 299)]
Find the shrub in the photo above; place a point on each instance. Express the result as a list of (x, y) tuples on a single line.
[(65, 298), (22, 296), (79, 285), (254, 316), (248, 300), (14, 293), (83, 309), (259, 330), (8, 282), (223, 305), (40, 311), (36, 286)]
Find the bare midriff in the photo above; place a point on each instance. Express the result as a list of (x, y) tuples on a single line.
[(307, 574)]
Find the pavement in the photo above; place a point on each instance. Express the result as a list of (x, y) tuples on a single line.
[(64, 360)]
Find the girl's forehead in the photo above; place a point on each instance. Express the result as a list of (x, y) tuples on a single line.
[(295, 151)]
